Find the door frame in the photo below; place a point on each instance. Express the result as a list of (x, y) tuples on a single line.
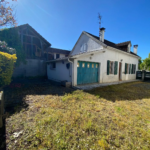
[(98, 69), (120, 71)]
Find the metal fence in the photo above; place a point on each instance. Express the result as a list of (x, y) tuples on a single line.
[(144, 75)]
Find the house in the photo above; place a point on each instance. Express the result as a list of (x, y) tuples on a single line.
[(94, 59), (33, 48), (37, 51), (55, 53)]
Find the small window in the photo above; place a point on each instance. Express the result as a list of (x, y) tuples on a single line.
[(92, 65), (96, 65), (57, 56), (78, 65), (88, 65), (83, 65), (53, 65)]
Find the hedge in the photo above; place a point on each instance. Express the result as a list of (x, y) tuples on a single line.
[(6, 67)]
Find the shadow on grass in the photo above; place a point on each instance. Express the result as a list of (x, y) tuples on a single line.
[(3, 137), (15, 95), (127, 91), (17, 91)]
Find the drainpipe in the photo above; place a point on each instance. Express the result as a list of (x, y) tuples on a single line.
[(72, 69)]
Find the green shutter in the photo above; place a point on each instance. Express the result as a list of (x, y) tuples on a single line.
[(129, 68), (108, 64), (132, 68), (125, 68), (116, 68)]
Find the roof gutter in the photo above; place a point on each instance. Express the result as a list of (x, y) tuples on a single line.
[(109, 47), (72, 69)]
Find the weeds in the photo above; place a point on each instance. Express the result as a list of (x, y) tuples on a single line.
[(82, 120)]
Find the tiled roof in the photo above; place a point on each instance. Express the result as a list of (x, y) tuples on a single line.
[(124, 43), (111, 44), (59, 51)]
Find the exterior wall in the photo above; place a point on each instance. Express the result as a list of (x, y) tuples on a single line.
[(60, 55), (33, 67), (101, 58), (60, 73), (90, 44)]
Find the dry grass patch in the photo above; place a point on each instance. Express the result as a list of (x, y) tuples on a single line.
[(82, 120)]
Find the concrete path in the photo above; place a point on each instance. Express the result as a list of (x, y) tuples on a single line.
[(95, 85)]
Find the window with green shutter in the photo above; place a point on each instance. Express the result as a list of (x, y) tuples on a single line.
[(134, 71), (126, 68), (108, 63), (116, 68), (132, 68)]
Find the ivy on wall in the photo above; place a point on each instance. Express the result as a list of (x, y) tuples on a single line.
[(6, 67), (11, 37)]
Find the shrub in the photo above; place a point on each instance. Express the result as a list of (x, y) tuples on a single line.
[(6, 67), (5, 48)]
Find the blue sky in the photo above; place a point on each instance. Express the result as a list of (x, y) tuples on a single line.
[(62, 21)]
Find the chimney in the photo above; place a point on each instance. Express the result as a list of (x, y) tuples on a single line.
[(135, 49), (129, 47), (101, 34)]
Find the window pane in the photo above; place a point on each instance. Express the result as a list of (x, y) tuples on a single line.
[(78, 65), (83, 65), (96, 65), (88, 65), (92, 65), (57, 56)]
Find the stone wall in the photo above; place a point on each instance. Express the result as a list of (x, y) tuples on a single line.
[(32, 68)]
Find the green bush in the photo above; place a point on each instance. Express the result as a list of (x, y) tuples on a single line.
[(6, 67)]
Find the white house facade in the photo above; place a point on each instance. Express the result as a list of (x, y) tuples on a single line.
[(95, 60)]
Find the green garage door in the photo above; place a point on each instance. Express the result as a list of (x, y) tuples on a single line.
[(87, 72)]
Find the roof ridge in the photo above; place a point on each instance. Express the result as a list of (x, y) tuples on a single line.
[(59, 49)]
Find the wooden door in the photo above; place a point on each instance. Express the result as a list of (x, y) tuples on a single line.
[(120, 69), (87, 72)]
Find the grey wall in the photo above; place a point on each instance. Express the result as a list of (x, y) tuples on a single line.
[(33, 67), (60, 73)]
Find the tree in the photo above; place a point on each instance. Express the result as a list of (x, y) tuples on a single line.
[(7, 15), (145, 65), (140, 62)]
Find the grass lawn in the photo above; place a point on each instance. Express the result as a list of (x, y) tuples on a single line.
[(113, 117)]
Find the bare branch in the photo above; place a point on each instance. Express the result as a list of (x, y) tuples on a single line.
[(7, 15)]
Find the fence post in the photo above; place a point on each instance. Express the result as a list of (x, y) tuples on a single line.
[(1, 108), (143, 75)]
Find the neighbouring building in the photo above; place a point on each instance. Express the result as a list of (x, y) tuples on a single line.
[(37, 51), (34, 47), (94, 59)]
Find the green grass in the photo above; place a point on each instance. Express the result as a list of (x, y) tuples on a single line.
[(113, 117)]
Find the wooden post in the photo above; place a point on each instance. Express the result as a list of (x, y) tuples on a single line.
[(47, 53), (22, 37), (143, 75), (31, 47), (42, 48), (1, 108)]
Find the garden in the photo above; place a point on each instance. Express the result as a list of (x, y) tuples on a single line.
[(55, 117)]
